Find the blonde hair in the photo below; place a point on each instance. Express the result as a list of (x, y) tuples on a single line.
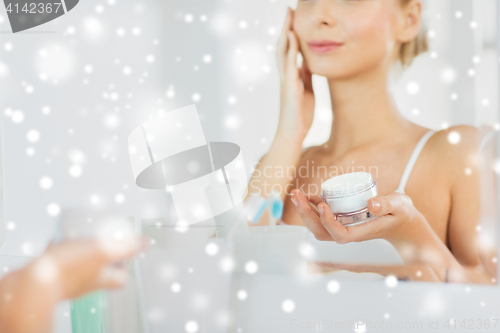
[(412, 49)]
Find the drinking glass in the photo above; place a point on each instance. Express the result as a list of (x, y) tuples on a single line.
[(102, 311)]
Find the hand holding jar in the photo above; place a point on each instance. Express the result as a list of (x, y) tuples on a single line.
[(396, 219), (350, 210)]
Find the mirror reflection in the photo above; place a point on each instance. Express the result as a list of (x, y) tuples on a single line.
[(403, 181)]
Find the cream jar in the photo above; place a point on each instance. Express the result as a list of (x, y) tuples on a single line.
[(347, 196)]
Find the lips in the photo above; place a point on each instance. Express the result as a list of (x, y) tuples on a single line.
[(323, 46)]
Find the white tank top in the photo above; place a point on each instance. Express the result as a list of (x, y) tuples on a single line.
[(411, 162)]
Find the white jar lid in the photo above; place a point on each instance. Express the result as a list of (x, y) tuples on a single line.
[(347, 184)]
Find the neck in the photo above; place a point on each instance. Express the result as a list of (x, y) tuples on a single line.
[(363, 110)]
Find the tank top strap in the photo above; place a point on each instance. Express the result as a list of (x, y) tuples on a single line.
[(411, 162)]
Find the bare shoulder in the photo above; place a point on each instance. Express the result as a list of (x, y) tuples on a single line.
[(456, 148), (455, 140)]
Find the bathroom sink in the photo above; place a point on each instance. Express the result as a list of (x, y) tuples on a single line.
[(372, 252)]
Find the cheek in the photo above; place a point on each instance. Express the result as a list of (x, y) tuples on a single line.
[(371, 33)]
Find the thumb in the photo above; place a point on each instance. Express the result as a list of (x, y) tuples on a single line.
[(112, 277), (394, 203), (293, 50)]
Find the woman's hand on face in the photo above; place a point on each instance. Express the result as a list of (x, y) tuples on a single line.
[(297, 95), (397, 219)]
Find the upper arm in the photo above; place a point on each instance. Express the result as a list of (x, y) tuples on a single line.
[(463, 171)]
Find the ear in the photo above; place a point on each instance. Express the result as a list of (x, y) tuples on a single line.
[(410, 21)]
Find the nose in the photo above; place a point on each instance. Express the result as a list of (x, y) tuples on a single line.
[(324, 13)]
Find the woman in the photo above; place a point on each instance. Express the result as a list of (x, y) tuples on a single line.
[(355, 44)]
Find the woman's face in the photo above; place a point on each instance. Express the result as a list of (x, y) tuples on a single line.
[(366, 30)]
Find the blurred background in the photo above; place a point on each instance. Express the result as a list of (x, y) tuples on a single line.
[(74, 88)]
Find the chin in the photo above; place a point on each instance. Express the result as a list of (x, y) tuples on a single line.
[(340, 67), (329, 68)]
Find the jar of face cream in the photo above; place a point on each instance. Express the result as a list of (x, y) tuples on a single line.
[(348, 195)]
